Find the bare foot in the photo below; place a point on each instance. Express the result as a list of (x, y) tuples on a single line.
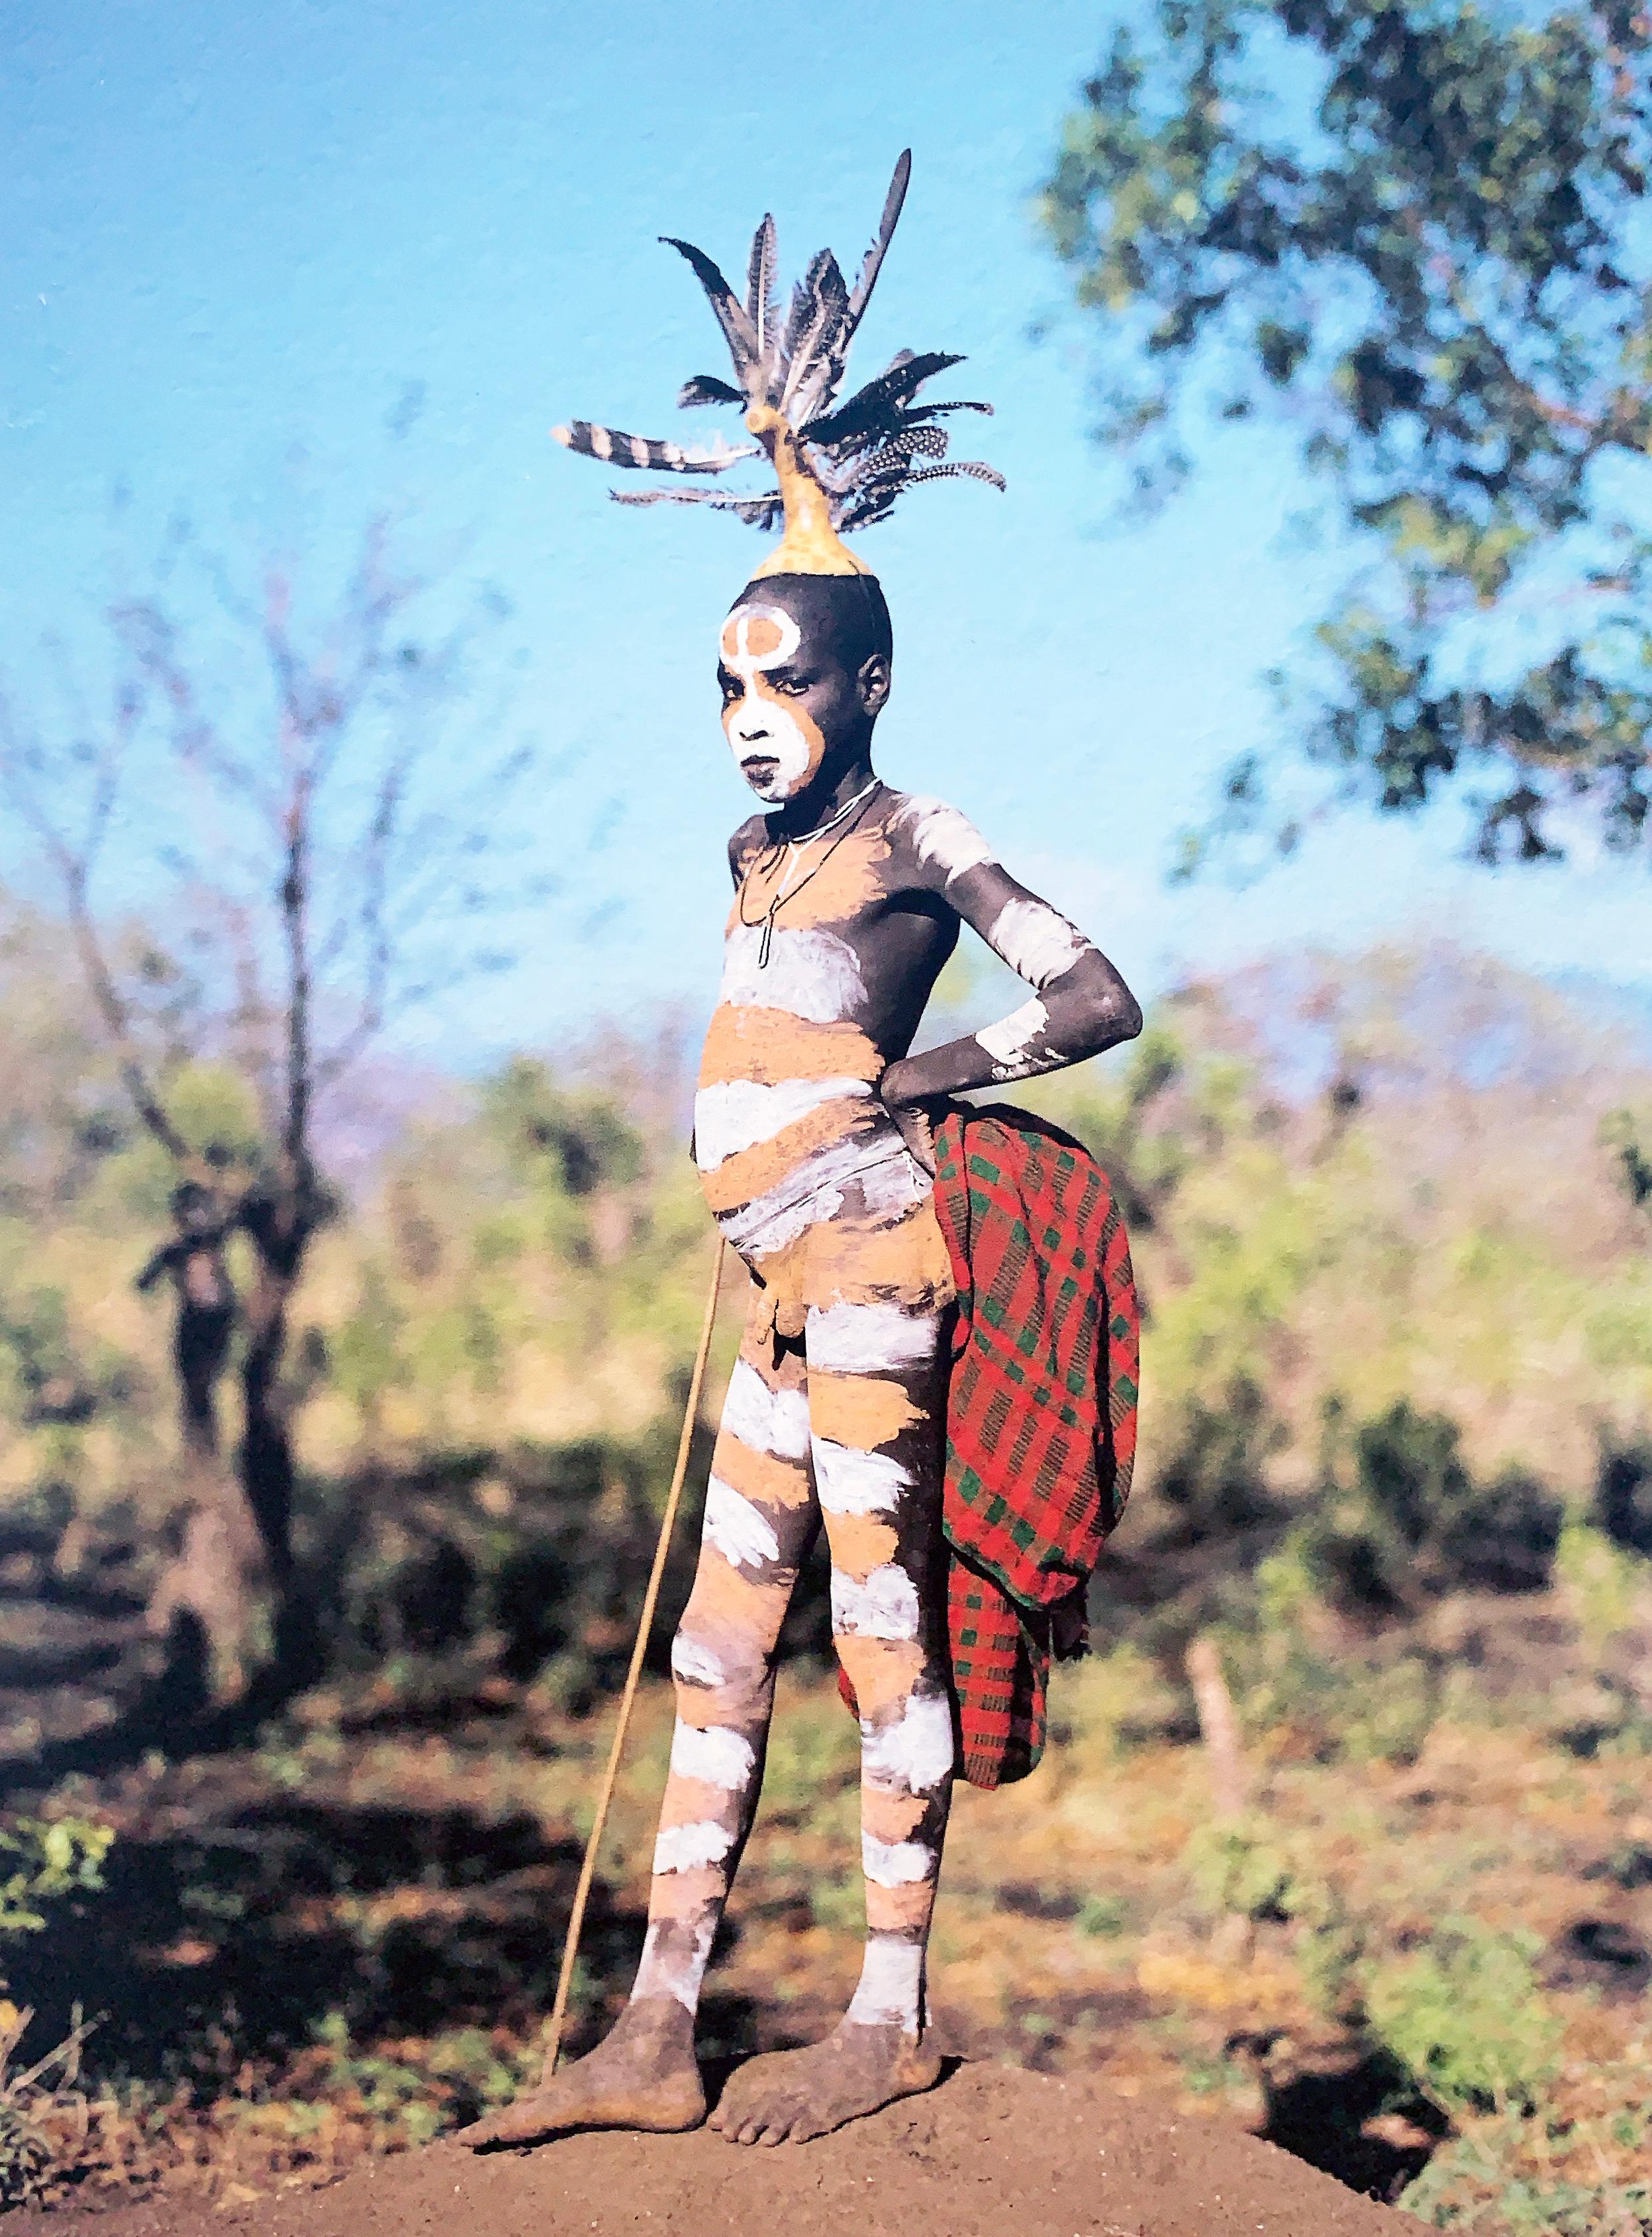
[(791, 2095), (643, 2075)]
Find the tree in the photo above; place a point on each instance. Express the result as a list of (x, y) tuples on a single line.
[(1413, 232), (276, 803)]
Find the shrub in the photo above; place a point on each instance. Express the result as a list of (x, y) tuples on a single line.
[(1415, 1522), (1465, 2018), (50, 1858)]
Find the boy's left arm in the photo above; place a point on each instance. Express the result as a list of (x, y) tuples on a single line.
[(1080, 1005)]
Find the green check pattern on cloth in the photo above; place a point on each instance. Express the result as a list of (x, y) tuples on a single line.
[(1041, 1412)]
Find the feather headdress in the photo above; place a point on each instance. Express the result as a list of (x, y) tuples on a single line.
[(837, 466)]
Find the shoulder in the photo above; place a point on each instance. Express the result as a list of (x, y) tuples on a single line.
[(941, 839), (747, 843)]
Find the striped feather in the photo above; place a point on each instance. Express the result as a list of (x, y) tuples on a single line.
[(762, 307), (975, 469), (760, 511), (811, 331), (615, 448), (865, 453)]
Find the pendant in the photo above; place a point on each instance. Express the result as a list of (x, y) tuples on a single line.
[(768, 940)]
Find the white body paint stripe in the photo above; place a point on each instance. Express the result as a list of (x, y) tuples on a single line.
[(719, 1755), (774, 1422), (1008, 1041), (914, 1753), (891, 1982), (896, 1864), (886, 1607), (659, 1975), (889, 1178), (869, 1339), (943, 835), (850, 1482), (741, 1533), (732, 1115), (694, 1662), (683, 1847), (810, 972), (1036, 942)]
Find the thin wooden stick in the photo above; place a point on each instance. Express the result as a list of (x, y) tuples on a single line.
[(650, 1600)]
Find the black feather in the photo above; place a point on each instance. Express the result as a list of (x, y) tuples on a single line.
[(898, 381), (727, 307), (871, 264), (705, 388)]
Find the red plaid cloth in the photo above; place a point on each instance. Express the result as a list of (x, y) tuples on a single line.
[(1041, 1414)]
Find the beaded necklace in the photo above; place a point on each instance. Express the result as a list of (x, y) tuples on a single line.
[(785, 891)]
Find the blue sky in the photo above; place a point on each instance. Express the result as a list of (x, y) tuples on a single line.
[(232, 232)]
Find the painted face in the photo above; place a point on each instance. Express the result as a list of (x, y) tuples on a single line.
[(771, 734)]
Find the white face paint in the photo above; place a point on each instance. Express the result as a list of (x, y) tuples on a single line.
[(760, 723)]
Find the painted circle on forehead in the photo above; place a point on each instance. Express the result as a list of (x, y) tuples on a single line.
[(756, 637)]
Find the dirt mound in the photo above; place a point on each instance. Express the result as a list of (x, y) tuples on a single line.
[(992, 2149)]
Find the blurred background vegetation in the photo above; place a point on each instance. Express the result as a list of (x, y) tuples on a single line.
[(1391, 1230), (327, 1486)]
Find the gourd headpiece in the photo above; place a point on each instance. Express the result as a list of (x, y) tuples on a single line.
[(838, 467)]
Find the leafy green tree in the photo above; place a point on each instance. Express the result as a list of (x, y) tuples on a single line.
[(1414, 234)]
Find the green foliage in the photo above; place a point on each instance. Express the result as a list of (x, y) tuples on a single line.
[(1607, 1586), (48, 1859), (1465, 2016), (1491, 2171), (1243, 1871), (1414, 1520), (1408, 231)]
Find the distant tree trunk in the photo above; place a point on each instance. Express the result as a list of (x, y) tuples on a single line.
[(266, 1441), (1219, 1724), (212, 1587), (280, 1221)]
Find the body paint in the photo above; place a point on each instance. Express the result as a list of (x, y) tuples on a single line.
[(760, 722)]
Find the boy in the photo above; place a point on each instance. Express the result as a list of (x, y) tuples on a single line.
[(811, 1138)]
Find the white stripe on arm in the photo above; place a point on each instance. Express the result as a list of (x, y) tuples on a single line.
[(1080, 1004)]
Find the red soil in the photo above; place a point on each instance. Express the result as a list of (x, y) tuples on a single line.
[(992, 2151)]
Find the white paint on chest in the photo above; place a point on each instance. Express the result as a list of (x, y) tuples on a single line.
[(735, 1114), (812, 974), (741, 1534), (943, 835), (774, 1422), (1036, 942)]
